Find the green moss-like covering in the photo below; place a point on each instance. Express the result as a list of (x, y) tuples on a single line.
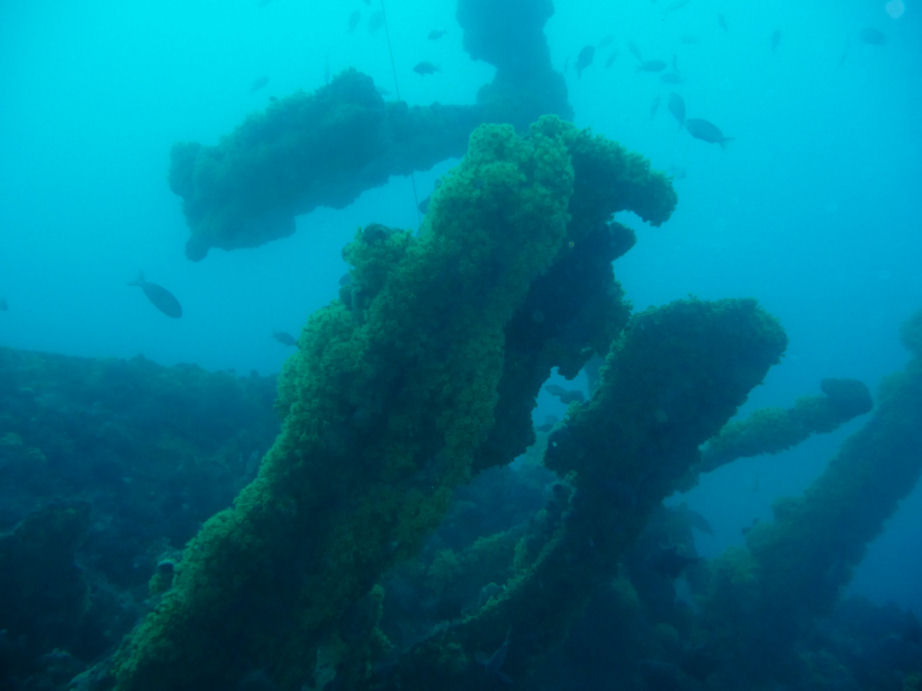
[(773, 430), (386, 403), (673, 378), (798, 563)]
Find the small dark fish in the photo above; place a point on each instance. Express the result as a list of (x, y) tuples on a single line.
[(698, 662), (611, 58), (659, 675), (677, 107), (565, 395), (436, 34), (689, 39), (493, 664), (669, 562), (548, 425), (3, 306), (635, 51), (872, 36), (584, 59), (677, 172), (285, 338), (424, 68), (671, 78), (776, 40), (654, 106), (423, 206), (354, 20), (652, 66), (159, 297), (263, 3), (672, 7), (376, 22), (706, 131), (606, 41), (722, 22), (258, 83)]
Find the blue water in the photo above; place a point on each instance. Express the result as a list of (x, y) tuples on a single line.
[(812, 208)]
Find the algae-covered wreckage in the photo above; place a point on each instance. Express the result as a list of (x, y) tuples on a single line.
[(324, 572)]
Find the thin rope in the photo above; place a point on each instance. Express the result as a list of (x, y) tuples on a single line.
[(390, 50)]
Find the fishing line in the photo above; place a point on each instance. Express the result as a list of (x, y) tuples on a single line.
[(390, 50)]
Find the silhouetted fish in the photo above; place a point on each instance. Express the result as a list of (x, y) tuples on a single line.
[(3, 306), (677, 107), (776, 39), (354, 20), (436, 34), (375, 22), (669, 562), (159, 297), (706, 131), (654, 106), (652, 66), (493, 664), (584, 59), (722, 22), (259, 83), (611, 58), (635, 51), (285, 338), (565, 395), (872, 36), (424, 68), (548, 424)]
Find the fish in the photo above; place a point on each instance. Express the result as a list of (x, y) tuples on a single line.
[(493, 664), (872, 36), (354, 20), (611, 58), (606, 41), (654, 106), (3, 306), (672, 7), (584, 59), (635, 51), (652, 66), (677, 107), (436, 34), (424, 68), (285, 338), (258, 83), (375, 22), (706, 131), (669, 562), (776, 40), (722, 22), (565, 395), (547, 425), (159, 296), (689, 39), (671, 78)]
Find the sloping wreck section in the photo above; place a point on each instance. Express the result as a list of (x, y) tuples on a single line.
[(327, 147), (107, 468), (393, 396)]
